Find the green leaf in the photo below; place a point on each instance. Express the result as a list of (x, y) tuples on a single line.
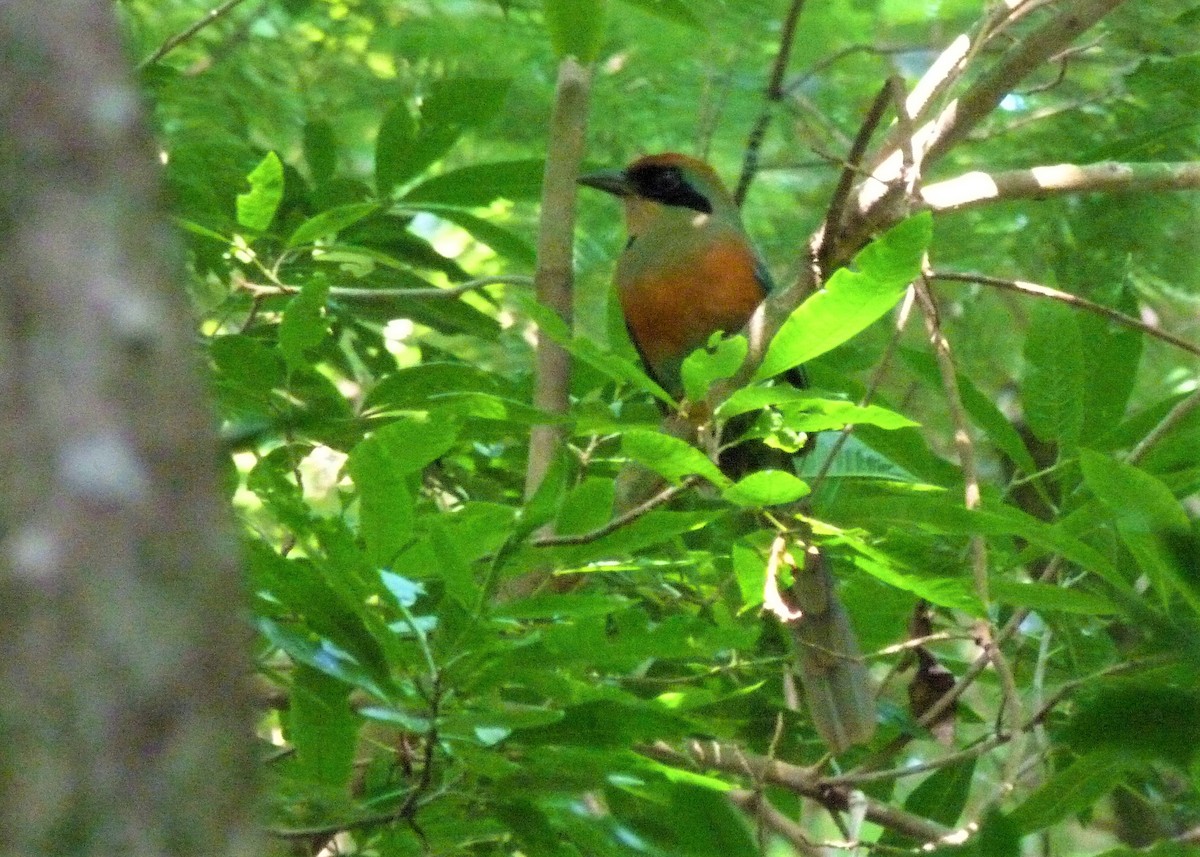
[(980, 408), (380, 467), (721, 359), (766, 488), (588, 506), (1139, 719), (1150, 521), (482, 184), (330, 222), (1113, 354), (1044, 597), (942, 795), (683, 819), (675, 11), (607, 363), (576, 27), (320, 150), (403, 150), (851, 300), (750, 569), (670, 457), (395, 160), (1052, 386), (505, 242), (304, 324), (256, 208), (1070, 791), (324, 729)]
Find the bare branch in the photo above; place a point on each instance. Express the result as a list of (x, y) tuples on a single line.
[(1173, 418), (1038, 290), (210, 17), (803, 781), (979, 187), (628, 517), (774, 94), (553, 278), (368, 294)]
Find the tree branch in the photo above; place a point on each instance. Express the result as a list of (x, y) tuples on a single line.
[(627, 517), (553, 280), (731, 759), (210, 17), (979, 187), (774, 95), (1038, 290), (369, 294)]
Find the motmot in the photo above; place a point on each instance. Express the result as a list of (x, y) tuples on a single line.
[(688, 270)]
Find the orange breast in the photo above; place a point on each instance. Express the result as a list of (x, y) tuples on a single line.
[(671, 312)]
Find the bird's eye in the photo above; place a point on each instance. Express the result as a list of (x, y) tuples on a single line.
[(668, 181)]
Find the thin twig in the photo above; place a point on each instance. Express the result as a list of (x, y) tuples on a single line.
[(1038, 290), (756, 803), (358, 293), (837, 203), (774, 94), (625, 518), (210, 17), (803, 781), (1175, 416)]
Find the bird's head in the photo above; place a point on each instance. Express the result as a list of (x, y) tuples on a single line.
[(655, 185)]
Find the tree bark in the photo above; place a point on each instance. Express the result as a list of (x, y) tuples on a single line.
[(125, 722)]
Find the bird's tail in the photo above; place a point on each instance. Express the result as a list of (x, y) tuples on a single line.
[(832, 672)]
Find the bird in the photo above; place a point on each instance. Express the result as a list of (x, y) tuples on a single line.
[(688, 270)]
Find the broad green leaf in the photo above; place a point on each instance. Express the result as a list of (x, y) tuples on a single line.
[(683, 819), (405, 148), (670, 457), (385, 500), (750, 569), (324, 729), (851, 300), (1140, 719), (320, 150), (721, 359), (588, 506), (246, 362), (256, 207), (942, 795), (854, 460), (481, 184), (304, 324), (1151, 522), (330, 222), (980, 408), (1069, 791), (676, 11), (427, 385), (381, 466), (1052, 386), (1113, 354), (803, 411), (576, 27), (395, 160), (766, 488), (1140, 503), (1042, 596)]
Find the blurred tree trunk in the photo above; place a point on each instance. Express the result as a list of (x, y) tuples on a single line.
[(123, 715)]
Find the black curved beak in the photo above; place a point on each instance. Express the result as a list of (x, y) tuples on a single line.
[(609, 181)]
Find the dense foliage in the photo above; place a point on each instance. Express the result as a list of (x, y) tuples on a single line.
[(332, 164)]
